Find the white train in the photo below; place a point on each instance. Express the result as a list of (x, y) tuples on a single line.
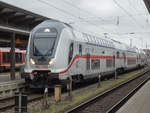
[(56, 51)]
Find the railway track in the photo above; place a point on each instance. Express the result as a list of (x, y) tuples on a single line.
[(117, 106), (111, 100), (9, 103)]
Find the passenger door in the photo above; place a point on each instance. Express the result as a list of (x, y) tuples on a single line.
[(79, 66), (114, 61), (87, 59), (124, 57)]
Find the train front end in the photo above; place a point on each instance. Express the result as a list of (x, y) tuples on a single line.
[(40, 57)]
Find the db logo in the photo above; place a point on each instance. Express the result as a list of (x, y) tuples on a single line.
[(41, 66)]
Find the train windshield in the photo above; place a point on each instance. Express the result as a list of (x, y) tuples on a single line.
[(43, 46)]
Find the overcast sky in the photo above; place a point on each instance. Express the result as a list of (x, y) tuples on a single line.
[(123, 20)]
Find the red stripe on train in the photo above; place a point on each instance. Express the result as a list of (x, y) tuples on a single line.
[(92, 57)]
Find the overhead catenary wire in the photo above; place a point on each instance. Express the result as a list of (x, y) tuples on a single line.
[(68, 13), (65, 1), (128, 14), (137, 9), (133, 6), (84, 19), (118, 17), (94, 17), (59, 9)]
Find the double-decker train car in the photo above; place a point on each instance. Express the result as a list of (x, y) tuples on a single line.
[(56, 51), (142, 57), (126, 57), (5, 58)]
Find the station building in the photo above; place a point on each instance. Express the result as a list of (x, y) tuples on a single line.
[(15, 26)]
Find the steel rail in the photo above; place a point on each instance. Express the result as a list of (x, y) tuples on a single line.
[(117, 106), (9, 106), (12, 104), (84, 104)]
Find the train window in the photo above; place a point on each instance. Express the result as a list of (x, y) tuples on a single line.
[(4, 57), (0, 58), (18, 58), (8, 57), (95, 64), (139, 56), (70, 52), (118, 54), (88, 39), (88, 61), (95, 40), (98, 42), (80, 50), (85, 38), (131, 61), (124, 57), (109, 63), (21, 57), (16, 55), (44, 46)]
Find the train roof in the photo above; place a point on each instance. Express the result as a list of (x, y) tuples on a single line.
[(87, 37), (79, 36), (142, 51), (93, 39), (124, 47), (131, 49), (49, 23), (119, 45), (98, 40)]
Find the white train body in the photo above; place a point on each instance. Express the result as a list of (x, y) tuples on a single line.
[(56, 51)]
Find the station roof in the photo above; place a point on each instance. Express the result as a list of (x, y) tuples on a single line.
[(14, 19), (147, 3)]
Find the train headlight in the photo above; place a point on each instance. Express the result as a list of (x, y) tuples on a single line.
[(47, 30), (51, 61), (32, 61)]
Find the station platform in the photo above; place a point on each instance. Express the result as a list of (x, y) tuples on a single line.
[(8, 89), (139, 102), (5, 77)]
